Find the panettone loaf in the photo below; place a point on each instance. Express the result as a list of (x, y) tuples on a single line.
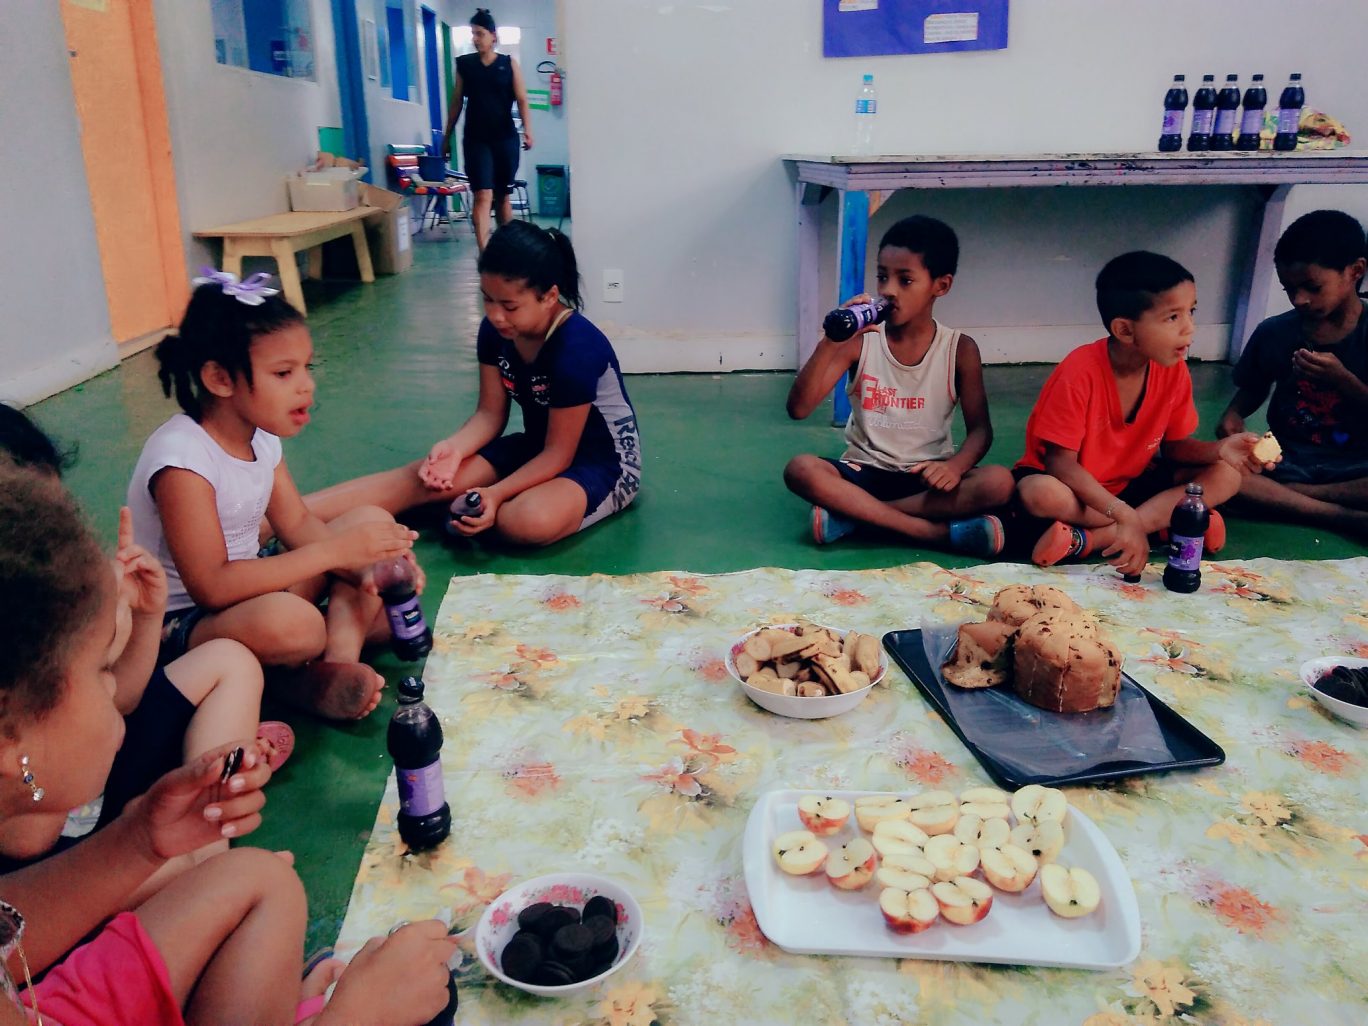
[(1017, 603), (983, 656), (1065, 665)]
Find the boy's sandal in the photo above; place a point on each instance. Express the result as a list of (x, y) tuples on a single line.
[(281, 739), (310, 1007)]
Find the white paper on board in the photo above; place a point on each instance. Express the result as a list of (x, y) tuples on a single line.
[(951, 28), (857, 5)]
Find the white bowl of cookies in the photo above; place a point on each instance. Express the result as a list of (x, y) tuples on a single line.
[(805, 670)]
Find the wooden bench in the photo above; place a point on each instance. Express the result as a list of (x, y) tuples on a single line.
[(283, 235)]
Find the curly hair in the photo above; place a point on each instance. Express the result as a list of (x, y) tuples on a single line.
[(53, 582)]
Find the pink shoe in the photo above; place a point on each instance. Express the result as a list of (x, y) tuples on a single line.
[(281, 739)]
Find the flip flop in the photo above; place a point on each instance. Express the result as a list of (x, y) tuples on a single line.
[(282, 740)]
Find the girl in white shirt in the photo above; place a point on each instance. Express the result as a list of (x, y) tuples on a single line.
[(240, 369)]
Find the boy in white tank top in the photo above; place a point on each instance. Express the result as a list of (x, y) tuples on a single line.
[(901, 471)]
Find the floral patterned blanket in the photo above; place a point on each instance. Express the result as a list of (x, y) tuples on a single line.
[(591, 725)]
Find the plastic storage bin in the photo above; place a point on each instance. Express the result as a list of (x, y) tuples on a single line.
[(553, 190)]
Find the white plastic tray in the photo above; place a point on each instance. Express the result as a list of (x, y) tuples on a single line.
[(807, 916)]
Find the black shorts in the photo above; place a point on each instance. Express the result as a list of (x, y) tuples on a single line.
[(1318, 465), (1157, 477), (884, 485), (491, 165), (176, 627)]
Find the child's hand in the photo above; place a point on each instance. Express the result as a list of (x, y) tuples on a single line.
[(438, 471), (1324, 369), (1238, 451), (193, 806), (417, 954), (1230, 424), (1129, 550), (358, 547), (471, 526), (142, 581), (938, 474)]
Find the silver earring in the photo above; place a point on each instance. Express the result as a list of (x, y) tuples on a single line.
[(28, 778)]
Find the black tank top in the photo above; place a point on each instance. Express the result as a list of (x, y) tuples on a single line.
[(489, 96)]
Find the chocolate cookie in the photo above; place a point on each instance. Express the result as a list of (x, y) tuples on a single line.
[(600, 906), (531, 917), (521, 956), (553, 974)]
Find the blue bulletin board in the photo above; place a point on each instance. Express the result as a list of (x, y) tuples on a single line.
[(863, 28)]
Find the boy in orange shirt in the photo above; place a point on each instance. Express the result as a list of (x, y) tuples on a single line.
[(1109, 446)]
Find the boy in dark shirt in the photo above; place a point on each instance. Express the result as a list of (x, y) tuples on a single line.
[(1314, 359)]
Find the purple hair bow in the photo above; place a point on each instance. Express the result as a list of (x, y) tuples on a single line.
[(252, 290)]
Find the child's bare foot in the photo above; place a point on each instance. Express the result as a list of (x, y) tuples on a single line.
[(335, 691)]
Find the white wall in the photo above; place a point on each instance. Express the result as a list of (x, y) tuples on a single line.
[(391, 120), (678, 112), (236, 134), (55, 326)]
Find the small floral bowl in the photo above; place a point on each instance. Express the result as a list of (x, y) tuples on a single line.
[(792, 705), (500, 922), (1315, 669)]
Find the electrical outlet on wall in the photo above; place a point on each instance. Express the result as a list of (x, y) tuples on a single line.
[(612, 285)]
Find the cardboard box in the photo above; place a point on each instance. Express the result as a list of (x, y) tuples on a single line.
[(387, 230), (331, 189)]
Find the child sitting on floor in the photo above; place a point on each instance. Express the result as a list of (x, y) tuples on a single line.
[(901, 471), (1315, 360), (240, 369), (221, 943), (1108, 442), (577, 459)]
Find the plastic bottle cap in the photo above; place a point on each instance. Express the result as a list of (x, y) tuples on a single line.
[(1180, 78), (869, 78), (411, 688), (1208, 78), (1258, 78), (1296, 77)]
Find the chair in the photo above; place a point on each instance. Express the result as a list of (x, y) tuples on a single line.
[(518, 200), (407, 167)]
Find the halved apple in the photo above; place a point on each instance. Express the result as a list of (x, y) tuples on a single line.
[(873, 809), (1037, 804), (934, 811), (951, 857), (908, 911), (823, 815), (1009, 868), (1043, 840), (963, 900), (852, 865), (799, 853), (1070, 892), (899, 837), (982, 833), (906, 872)]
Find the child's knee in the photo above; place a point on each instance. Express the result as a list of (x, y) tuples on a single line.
[(289, 630), (525, 525), (233, 661), (996, 484), (800, 471), (267, 878), (361, 515), (1039, 494)]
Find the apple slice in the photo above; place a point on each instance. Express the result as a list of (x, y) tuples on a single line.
[(908, 911), (899, 837), (852, 865), (799, 853), (1070, 892), (1009, 868), (873, 809), (963, 900), (934, 811), (906, 872), (951, 857), (986, 795), (823, 815), (1043, 840), (1037, 804), (982, 833)]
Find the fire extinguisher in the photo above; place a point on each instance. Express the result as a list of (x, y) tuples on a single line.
[(557, 86)]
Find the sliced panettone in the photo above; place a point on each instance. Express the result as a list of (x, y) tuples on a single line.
[(983, 657)]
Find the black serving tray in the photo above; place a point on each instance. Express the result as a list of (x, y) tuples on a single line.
[(1190, 747)]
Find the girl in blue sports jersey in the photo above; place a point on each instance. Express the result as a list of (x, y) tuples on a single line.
[(577, 459)]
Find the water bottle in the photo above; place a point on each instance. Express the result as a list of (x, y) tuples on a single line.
[(1290, 105), (415, 745), (1227, 113), (866, 110), (1187, 527), (1175, 109), (843, 322), (468, 505), (1203, 114), (396, 580), (1251, 122)]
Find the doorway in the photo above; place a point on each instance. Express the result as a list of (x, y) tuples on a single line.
[(432, 67), (126, 147)]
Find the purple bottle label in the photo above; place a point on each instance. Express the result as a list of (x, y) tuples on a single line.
[(420, 790), (1173, 123), (1202, 121), (1288, 120), (406, 619), (1185, 553), (1252, 122), (1225, 122)]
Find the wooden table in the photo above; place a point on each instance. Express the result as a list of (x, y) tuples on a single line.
[(861, 184), (283, 235)]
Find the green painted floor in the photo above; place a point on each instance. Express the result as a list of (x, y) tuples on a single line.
[(396, 371)]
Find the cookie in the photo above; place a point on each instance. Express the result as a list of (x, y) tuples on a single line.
[(560, 915), (553, 974), (600, 906), (521, 956), (530, 918), (571, 947)]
